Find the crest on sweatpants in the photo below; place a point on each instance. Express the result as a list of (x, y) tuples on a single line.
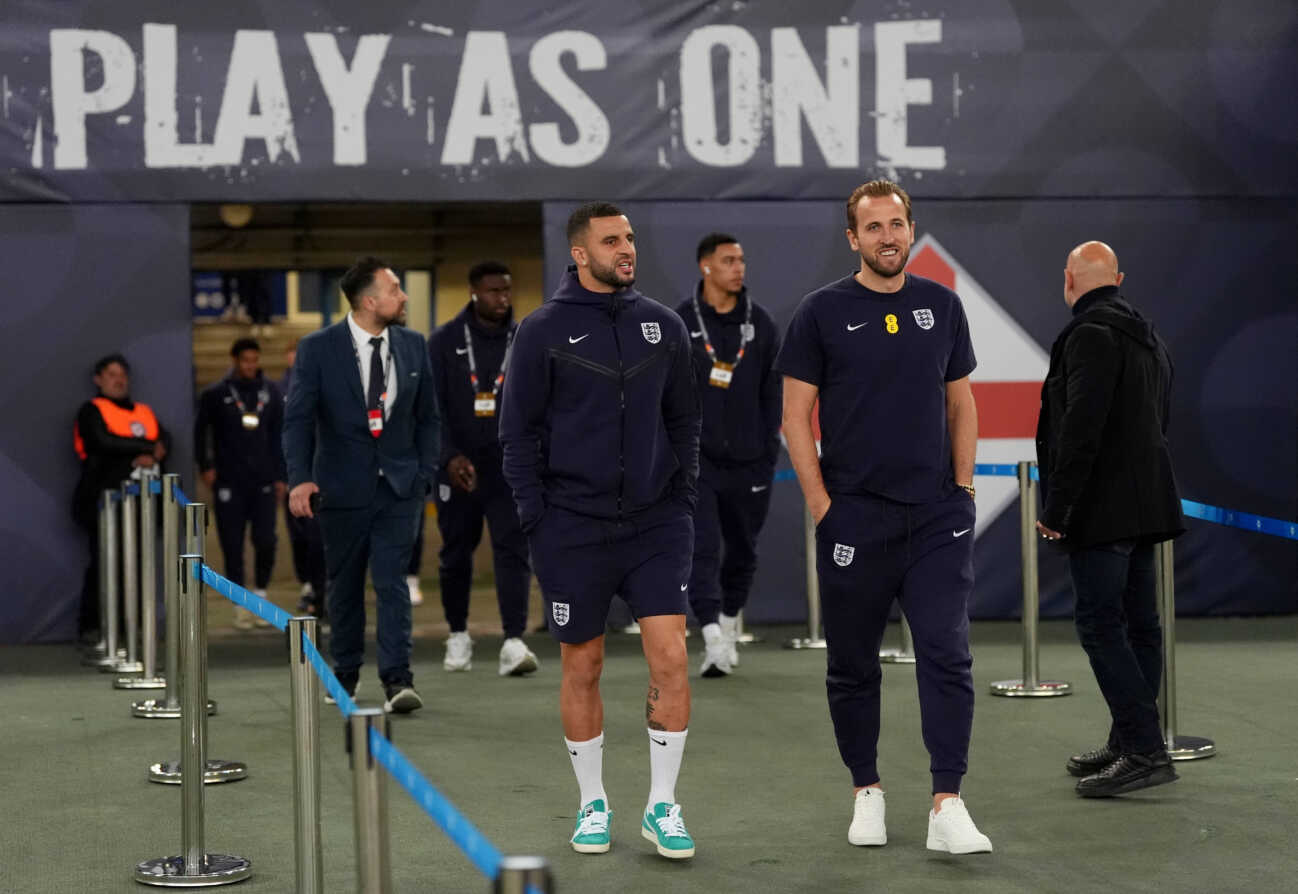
[(560, 612), (924, 317), (652, 332), (843, 555)]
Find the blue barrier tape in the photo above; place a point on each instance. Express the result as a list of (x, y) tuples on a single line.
[(155, 486), (331, 684), (180, 496), (268, 611), (1003, 470), (132, 489), (1245, 521), (481, 852), (786, 475)]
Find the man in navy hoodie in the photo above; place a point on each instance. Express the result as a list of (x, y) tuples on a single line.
[(734, 346), (600, 429)]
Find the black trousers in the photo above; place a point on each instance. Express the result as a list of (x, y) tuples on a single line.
[(1118, 625), (307, 543), (237, 506), (88, 620), (731, 511), (459, 517)]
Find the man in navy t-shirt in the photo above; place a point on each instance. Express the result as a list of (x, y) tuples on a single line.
[(888, 356)]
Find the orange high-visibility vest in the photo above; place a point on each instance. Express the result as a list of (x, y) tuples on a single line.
[(137, 423)]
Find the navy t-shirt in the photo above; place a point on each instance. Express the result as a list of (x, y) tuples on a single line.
[(881, 362)]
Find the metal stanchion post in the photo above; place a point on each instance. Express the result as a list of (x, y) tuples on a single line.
[(1180, 748), (905, 654), (131, 578), (813, 639), (168, 707), (305, 703), (96, 652), (215, 770), (108, 562), (370, 794), (1031, 684), (194, 866), (518, 875), (742, 635), (148, 589)]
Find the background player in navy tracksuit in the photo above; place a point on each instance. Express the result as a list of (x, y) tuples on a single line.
[(888, 355), (735, 342), (600, 430), (237, 439), (470, 358)]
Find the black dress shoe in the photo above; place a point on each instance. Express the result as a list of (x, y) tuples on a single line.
[(1090, 762), (1128, 774), (401, 698)]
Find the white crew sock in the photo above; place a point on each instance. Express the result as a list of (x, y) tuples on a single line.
[(588, 765), (665, 753)]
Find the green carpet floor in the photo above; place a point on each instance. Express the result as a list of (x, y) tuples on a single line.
[(764, 793)]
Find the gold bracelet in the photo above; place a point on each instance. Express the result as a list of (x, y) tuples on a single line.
[(969, 489)]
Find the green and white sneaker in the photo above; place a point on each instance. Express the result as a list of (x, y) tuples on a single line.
[(663, 826), (591, 834)]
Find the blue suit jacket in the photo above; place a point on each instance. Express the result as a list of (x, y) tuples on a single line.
[(326, 434)]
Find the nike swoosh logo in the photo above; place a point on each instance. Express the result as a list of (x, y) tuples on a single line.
[(696, 334), (683, 587), (573, 753), (758, 488), (573, 341), (662, 742), (461, 350), (961, 533), (851, 328)]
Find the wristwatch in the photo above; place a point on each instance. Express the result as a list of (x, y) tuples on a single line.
[(969, 489)]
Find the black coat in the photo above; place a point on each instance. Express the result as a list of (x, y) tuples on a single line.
[(1106, 472)]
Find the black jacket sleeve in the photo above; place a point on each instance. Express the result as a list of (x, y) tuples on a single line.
[(683, 418), (524, 397), (275, 419), (437, 358), (772, 393), (204, 442), (1092, 363)]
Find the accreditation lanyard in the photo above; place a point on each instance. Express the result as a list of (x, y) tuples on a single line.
[(375, 417), (484, 402), (253, 419), (723, 373)]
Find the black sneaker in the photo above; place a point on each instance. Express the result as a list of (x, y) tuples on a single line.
[(1089, 763), (349, 685), (1128, 774), (402, 698)]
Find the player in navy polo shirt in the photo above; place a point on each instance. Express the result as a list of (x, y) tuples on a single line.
[(888, 355), (600, 429)]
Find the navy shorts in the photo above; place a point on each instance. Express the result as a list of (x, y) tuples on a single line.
[(581, 562)]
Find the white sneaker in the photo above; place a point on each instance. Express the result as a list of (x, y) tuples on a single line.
[(412, 584), (242, 618), (716, 655), (730, 630), (952, 830), (867, 819), (516, 659), (459, 652), (258, 620)]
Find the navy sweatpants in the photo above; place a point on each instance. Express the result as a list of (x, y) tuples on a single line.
[(731, 510), (459, 518), (238, 505), (869, 552)]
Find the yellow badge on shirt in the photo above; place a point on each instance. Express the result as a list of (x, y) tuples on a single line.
[(484, 404), (890, 323), (722, 374)]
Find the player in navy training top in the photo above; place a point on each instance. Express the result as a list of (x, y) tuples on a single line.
[(888, 355), (600, 430)]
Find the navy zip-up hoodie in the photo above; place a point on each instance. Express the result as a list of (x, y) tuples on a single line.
[(600, 413), (741, 424), (463, 431)]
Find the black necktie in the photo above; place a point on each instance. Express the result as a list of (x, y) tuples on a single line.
[(377, 383)]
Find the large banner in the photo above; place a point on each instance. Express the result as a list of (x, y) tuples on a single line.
[(522, 99), (1231, 325)]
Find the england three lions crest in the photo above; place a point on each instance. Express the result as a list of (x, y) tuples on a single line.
[(652, 332), (560, 612), (924, 317), (843, 555)]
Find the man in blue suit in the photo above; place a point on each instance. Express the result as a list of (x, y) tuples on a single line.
[(361, 431)]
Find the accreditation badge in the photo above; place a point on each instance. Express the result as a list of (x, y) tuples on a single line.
[(250, 421), (721, 375), (484, 404), (376, 422)]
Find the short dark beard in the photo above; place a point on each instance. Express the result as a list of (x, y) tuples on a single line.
[(608, 276), (905, 259)]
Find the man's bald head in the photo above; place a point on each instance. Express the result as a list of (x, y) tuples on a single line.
[(1090, 266)]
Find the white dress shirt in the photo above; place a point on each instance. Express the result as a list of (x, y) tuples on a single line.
[(361, 342)]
